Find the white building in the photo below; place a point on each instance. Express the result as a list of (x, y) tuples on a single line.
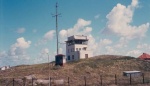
[(76, 48), (4, 67)]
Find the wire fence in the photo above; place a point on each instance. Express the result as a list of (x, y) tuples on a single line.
[(101, 80)]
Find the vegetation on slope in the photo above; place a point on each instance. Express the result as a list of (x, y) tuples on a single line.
[(106, 65)]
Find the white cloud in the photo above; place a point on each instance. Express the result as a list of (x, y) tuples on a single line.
[(43, 56), (134, 3), (19, 47), (3, 59), (80, 28), (21, 30), (93, 45), (22, 43), (122, 43), (82, 23), (45, 51), (101, 47), (3, 54), (105, 42), (87, 30), (111, 50), (134, 53), (49, 35), (119, 20), (17, 53), (140, 46), (144, 47), (41, 42), (63, 33), (97, 16)]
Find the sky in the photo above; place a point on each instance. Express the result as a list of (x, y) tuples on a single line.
[(114, 27)]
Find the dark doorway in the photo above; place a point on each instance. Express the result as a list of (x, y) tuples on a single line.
[(86, 56)]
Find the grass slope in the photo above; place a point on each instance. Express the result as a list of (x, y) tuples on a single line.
[(106, 65)]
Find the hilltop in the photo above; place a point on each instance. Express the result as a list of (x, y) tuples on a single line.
[(105, 65)]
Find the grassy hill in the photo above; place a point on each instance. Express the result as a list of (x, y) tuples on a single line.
[(92, 68)]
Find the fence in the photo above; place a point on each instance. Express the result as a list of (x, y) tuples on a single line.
[(101, 80)]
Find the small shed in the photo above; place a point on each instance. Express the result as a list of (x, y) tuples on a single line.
[(132, 73), (145, 56), (60, 59)]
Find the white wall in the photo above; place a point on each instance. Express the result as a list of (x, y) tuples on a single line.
[(82, 54), (79, 54), (5, 67), (77, 50)]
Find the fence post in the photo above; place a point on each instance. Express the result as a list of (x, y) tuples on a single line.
[(85, 80), (115, 79), (68, 82), (130, 79), (32, 81), (143, 78), (101, 80), (13, 82), (50, 81), (24, 81)]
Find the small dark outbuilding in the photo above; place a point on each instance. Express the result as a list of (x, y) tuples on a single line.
[(60, 59)]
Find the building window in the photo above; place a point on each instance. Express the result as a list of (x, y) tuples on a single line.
[(68, 57), (84, 48), (79, 49), (76, 49), (68, 50), (72, 56)]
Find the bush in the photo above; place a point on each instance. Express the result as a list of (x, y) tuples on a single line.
[(57, 67)]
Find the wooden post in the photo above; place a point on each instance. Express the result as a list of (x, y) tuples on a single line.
[(85, 80), (50, 81), (130, 79), (32, 81), (143, 78), (24, 81), (68, 82), (115, 79), (13, 82), (101, 80)]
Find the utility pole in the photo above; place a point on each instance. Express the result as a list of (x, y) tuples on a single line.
[(48, 70), (56, 16)]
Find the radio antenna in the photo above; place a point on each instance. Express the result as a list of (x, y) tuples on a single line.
[(56, 16)]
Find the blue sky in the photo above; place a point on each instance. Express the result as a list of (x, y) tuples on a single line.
[(27, 28)]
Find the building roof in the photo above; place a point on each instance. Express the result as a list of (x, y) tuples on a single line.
[(60, 55), (131, 71), (79, 37), (144, 56)]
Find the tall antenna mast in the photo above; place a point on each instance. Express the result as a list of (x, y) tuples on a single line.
[(56, 15)]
